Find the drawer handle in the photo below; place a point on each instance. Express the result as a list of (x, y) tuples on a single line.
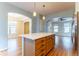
[(42, 45), (42, 54), (42, 50), (42, 40)]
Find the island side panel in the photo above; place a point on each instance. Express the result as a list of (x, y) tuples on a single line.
[(29, 47)]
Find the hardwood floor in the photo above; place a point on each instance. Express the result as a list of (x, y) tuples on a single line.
[(13, 48), (62, 52), (3, 53), (64, 46)]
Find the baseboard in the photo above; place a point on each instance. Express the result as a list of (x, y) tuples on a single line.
[(3, 49)]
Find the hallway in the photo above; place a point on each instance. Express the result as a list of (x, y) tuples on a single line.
[(63, 47)]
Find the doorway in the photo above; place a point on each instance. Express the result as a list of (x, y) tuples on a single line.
[(18, 24), (26, 28)]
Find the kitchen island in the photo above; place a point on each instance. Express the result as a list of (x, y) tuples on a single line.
[(38, 44)]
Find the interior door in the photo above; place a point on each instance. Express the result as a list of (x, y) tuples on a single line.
[(26, 28)]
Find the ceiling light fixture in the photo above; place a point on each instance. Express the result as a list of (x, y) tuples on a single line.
[(34, 13), (43, 17)]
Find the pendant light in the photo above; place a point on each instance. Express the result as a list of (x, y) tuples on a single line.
[(43, 17), (34, 13)]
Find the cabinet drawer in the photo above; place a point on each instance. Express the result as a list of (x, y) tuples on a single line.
[(40, 45), (49, 38), (41, 40), (40, 52), (48, 48)]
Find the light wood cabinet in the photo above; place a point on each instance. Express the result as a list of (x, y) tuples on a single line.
[(40, 46)]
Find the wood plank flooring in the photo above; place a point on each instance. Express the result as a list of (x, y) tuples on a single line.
[(18, 52), (14, 48), (64, 46), (62, 52)]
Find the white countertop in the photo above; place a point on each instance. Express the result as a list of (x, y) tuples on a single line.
[(35, 36)]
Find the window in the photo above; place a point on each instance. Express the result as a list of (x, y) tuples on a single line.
[(67, 27), (49, 27), (55, 28), (11, 27)]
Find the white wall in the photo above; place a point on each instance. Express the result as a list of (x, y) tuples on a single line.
[(3, 26)]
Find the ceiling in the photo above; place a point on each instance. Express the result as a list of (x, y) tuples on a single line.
[(51, 7)]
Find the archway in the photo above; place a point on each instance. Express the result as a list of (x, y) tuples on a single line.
[(18, 25)]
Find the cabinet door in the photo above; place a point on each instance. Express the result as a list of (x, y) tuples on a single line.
[(40, 52), (39, 43), (48, 47)]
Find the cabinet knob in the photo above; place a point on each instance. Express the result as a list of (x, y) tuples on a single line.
[(42, 50), (42, 54), (42, 45), (42, 40)]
